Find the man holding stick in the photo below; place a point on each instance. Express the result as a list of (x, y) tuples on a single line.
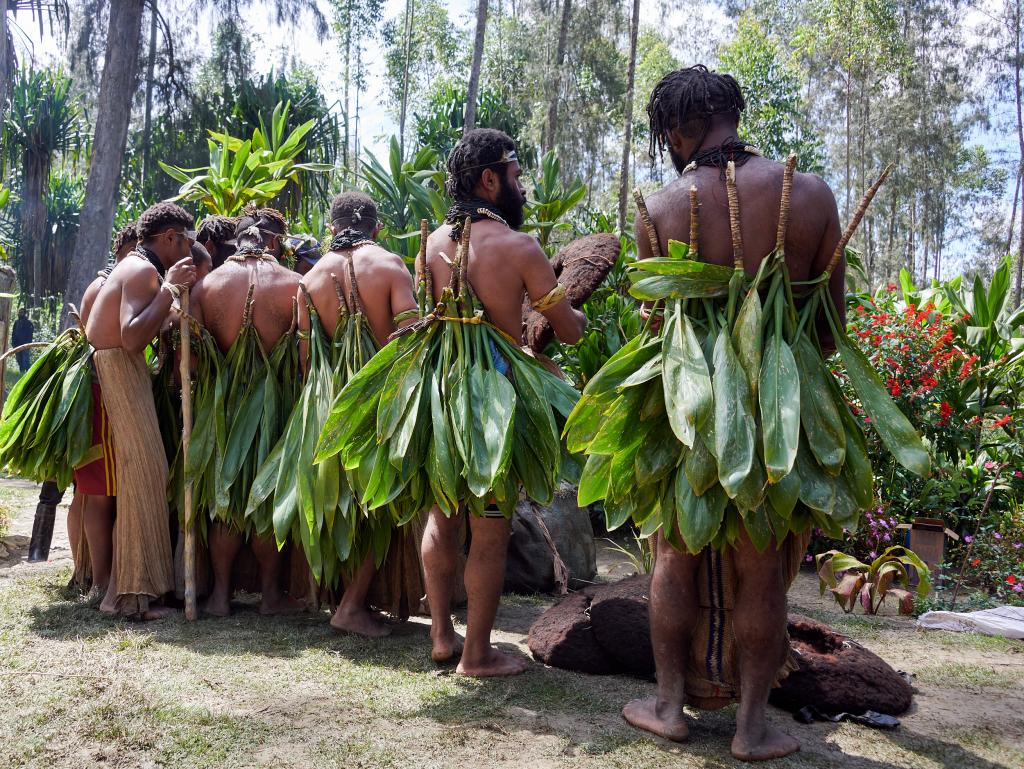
[(128, 311), (506, 267)]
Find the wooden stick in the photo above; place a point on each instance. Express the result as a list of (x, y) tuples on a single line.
[(734, 215), (858, 215), (694, 215), (787, 189), (22, 348), (185, 372), (645, 217), (427, 278)]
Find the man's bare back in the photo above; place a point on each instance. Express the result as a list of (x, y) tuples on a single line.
[(504, 267), (384, 283), (810, 239), (218, 300)]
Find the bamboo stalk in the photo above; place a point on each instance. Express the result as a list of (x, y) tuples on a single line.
[(734, 215), (247, 309), (857, 216), (645, 217), (784, 205), (357, 304), (185, 372), (694, 216), (464, 263), (428, 279), (343, 308)]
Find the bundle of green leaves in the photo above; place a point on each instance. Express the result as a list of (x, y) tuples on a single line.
[(314, 503), (432, 420), (728, 415), (46, 427)]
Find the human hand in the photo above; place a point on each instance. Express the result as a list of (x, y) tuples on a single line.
[(182, 273)]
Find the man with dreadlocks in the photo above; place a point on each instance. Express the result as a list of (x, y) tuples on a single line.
[(505, 266), (217, 235), (695, 114), (355, 277), (127, 313), (247, 306)]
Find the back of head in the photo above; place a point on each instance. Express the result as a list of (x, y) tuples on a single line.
[(259, 228), (124, 241), (354, 211), (160, 217), (689, 100), (219, 230), (476, 151)]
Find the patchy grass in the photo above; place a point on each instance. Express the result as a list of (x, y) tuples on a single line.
[(81, 690)]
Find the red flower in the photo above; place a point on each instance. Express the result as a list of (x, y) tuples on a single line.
[(1011, 580), (892, 287), (946, 410), (1002, 421), (965, 369), (975, 562)]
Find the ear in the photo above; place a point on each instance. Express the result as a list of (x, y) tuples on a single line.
[(490, 181), (376, 231), (677, 142), (333, 229)]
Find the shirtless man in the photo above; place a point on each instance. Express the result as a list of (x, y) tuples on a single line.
[(504, 267), (385, 291), (217, 235), (695, 114), (218, 303), (126, 314), (92, 509)]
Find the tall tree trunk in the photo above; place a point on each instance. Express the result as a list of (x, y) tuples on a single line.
[(410, 11), (348, 80), (474, 73), (5, 72), (846, 206), (551, 129), (35, 175), (1020, 141), (112, 114), (359, 80), (627, 143), (147, 125)]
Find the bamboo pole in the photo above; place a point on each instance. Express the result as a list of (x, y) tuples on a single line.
[(694, 222), (784, 204), (645, 217), (857, 216), (185, 372), (734, 215)]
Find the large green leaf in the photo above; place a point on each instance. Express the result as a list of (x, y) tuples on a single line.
[(779, 397), (734, 418), (689, 400), (698, 518), (819, 413)]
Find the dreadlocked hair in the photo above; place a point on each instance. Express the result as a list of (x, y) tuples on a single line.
[(685, 100), (477, 150), (354, 211), (124, 236), (267, 219), (160, 216), (216, 228)]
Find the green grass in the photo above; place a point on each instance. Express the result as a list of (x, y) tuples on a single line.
[(81, 690)]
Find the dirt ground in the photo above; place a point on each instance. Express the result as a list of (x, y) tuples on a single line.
[(80, 690)]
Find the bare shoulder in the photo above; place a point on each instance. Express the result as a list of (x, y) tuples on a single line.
[(521, 245)]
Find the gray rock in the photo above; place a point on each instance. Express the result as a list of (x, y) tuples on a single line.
[(551, 548)]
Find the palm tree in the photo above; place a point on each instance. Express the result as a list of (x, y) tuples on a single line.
[(43, 120), (478, 55)]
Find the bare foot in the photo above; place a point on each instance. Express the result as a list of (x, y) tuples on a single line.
[(670, 723), (360, 622), (280, 606), (496, 663), (217, 606), (158, 612), (770, 743), (446, 646)]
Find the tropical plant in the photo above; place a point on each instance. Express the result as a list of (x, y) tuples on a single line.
[(551, 200), (405, 193), (44, 120), (255, 170), (852, 581)]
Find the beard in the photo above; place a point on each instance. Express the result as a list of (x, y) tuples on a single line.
[(677, 160), (510, 203)]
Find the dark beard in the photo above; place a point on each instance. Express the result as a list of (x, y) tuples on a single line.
[(677, 160), (510, 203)]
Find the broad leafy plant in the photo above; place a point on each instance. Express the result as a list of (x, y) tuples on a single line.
[(552, 199), (853, 582), (255, 170)]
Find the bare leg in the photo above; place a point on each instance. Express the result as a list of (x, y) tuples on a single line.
[(98, 517), (673, 609), (352, 615), (485, 576), (759, 621), (75, 523), (225, 542), (439, 550), (269, 557)]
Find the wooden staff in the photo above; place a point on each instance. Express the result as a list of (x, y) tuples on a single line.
[(185, 372)]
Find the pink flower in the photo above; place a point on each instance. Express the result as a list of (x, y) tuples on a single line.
[(1018, 545), (1018, 474), (887, 538), (1018, 588), (873, 554), (989, 465), (808, 558), (968, 539), (997, 535)]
